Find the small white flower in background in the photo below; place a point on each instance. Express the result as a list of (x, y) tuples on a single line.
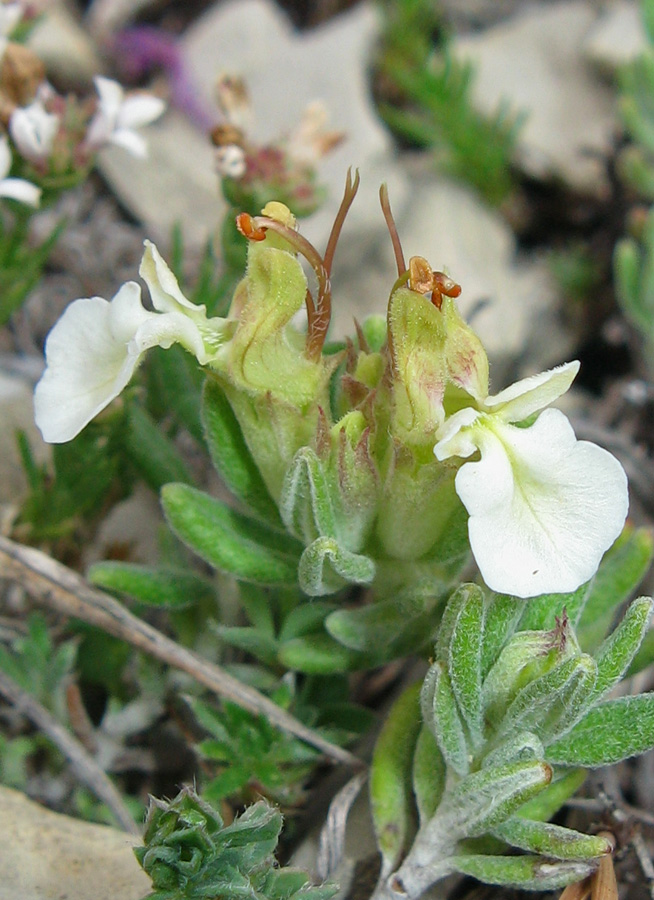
[(543, 506), (15, 188), (119, 114), (93, 350), (10, 16), (33, 130), (310, 140), (230, 161)]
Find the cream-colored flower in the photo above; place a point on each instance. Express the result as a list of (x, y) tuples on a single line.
[(94, 349), (543, 506)]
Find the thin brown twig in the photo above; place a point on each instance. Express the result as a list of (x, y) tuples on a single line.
[(58, 587), (81, 762)]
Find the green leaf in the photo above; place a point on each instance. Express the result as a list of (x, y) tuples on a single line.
[(319, 654), (428, 774), (540, 613), (154, 454), (619, 648), (517, 748), (608, 733), (620, 573), (390, 778), (549, 802), (166, 587), (306, 506), (325, 567), (486, 798), (385, 624), (441, 716), (501, 616), (464, 660), (227, 539), (551, 840), (231, 456), (174, 381), (262, 646), (306, 618), (530, 873), (553, 703)]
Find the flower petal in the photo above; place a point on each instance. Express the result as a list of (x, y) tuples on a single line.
[(88, 361), (33, 130), (140, 109), (525, 397), (543, 506), (164, 287), (19, 189), (130, 141)]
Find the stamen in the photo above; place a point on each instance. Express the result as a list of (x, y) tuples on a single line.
[(390, 224), (245, 224)]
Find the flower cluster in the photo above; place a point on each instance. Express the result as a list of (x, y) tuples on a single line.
[(53, 140), (376, 456), (286, 168)]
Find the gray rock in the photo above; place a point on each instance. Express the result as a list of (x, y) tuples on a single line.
[(47, 855), (534, 62), (617, 37)]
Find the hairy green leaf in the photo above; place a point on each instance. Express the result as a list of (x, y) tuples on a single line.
[(530, 873), (230, 454), (156, 586), (390, 778), (428, 774), (325, 567), (441, 716), (227, 539), (608, 733), (551, 840)]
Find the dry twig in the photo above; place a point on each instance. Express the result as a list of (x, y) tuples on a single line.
[(51, 583)]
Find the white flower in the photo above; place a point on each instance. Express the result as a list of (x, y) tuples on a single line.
[(33, 130), (10, 16), (93, 350), (119, 115), (15, 188), (543, 506), (230, 161)]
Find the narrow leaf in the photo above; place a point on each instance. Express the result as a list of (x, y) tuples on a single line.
[(390, 778), (464, 660), (319, 654), (231, 456), (549, 802), (620, 573), (608, 733), (325, 567), (501, 616), (486, 798), (227, 539), (551, 840), (154, 454), (619, 648), (166, 587), (306, 506), (440, 714), (530, 873), (428, 774)]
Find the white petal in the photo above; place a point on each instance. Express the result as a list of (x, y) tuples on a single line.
[(166, 329), (19, 189), (532, 394), (139, 109), (33, 130), (164, 287), (5, 157), (110, 94), (453, 438), (87, 363), (543, 506), (130, 141)]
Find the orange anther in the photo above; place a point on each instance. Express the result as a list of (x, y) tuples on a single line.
[(245, 224)]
